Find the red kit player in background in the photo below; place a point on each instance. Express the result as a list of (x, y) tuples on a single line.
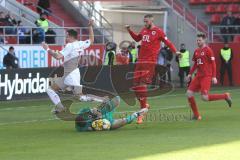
[(204, 63), (151, 38)]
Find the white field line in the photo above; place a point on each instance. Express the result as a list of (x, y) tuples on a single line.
[(30, 121)]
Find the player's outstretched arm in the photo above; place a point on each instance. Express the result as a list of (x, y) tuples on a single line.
[(51, 52), (91, 33), (136, 37)]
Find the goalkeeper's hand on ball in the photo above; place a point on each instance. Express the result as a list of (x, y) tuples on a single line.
[(101, 124), (97, 125)]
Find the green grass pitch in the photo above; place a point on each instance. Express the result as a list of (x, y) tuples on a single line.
[(28, 131)]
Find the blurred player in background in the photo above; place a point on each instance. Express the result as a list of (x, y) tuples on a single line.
[(123, 56), (71, 54), (151, 38), (204, 63)]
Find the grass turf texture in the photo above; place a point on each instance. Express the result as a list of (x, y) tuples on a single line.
[(28, 131)]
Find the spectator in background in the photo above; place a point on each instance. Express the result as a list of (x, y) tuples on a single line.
[(39, 33), (237, 23), (10, 61), (43, 22), (123, 56), (226, 56), (9, 20), (228, 21), (167, 55), (183, 61), (50, 36), (110, 53), (43, 7), (2, 19), (134, 52), (1, 40), (22, 33)]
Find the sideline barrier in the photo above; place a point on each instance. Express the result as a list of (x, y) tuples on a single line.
[(20, 84)]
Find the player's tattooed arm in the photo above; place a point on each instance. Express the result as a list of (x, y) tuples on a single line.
[(51, 52)]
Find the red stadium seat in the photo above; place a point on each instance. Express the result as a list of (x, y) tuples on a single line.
[(214, 1), (233, 8), (215, 19), (204, 1), (236, 39), (193, 2), (221, 8), (196, 2), (210, 9), (11, 40)]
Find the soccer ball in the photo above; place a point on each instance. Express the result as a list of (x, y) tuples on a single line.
[(106, 124), (101, 124)]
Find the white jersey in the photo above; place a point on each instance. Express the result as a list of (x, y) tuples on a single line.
[(72, 53)]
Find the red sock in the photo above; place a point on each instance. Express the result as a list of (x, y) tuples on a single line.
[(193, 105), (216, 97), (141, 93), (143, 102)]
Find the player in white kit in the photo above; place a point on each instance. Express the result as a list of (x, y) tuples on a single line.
[(71, 54)]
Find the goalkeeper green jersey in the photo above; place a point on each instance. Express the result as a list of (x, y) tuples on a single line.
[(86, 117)]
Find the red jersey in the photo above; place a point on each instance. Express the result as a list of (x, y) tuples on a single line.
[(204, 62), (122, 58), (150, 45)]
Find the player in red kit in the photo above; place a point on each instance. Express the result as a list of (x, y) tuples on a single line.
[(204, 63), (151, 38)]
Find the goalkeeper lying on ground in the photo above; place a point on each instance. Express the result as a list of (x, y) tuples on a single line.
[(98, 118), (101, 117)]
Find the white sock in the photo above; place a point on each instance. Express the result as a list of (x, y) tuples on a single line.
[(53, 96)]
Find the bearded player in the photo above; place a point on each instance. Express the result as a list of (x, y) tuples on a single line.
[(204, 63), (151, 37)]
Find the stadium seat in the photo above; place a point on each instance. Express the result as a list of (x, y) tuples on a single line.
[(11, 40), (210, 9), (237, 39), (215, 19), (214, 1), (196, 2), (221, 9), (193, 2), (199, 2), (233, 8)]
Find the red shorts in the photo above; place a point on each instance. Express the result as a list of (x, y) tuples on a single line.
[(144, 73), (202, 84)]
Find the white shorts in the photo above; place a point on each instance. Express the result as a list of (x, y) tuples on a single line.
[(72, 80)]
